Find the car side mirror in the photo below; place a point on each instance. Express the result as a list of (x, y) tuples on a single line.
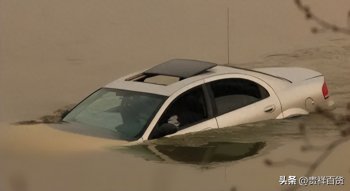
[(164, 129)]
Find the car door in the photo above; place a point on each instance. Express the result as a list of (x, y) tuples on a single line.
[(240, 99), (189, 110)]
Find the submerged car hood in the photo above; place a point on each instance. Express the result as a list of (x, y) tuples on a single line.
[(49, 139)]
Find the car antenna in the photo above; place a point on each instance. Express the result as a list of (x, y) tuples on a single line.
[(228, 35)]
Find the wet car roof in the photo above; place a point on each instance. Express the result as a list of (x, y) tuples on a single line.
[(206, 70)]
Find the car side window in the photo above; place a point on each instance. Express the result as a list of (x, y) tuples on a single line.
[(234, 93), (187, 109)]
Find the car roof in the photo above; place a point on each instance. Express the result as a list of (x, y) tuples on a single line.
[(188, 71)]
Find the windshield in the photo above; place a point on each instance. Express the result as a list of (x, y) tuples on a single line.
[(125, 113)]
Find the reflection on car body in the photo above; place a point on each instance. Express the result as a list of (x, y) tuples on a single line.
[(183, 96), (212, 152)]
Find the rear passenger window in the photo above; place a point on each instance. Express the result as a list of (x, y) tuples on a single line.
[(231, 94)]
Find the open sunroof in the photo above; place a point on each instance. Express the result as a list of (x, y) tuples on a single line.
[(181, 68)]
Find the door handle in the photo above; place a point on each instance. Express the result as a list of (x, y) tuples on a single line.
[(270, 108)]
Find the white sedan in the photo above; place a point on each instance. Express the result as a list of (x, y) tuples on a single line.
[(182, 96)]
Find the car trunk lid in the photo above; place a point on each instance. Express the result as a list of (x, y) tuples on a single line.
[(293, 74)]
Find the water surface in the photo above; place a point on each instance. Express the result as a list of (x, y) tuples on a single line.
[(55, 53)]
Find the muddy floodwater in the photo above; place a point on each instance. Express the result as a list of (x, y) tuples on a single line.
[(54, 53)]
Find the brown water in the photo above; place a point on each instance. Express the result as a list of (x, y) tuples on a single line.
[(54, 53)]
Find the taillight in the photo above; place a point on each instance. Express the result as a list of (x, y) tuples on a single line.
[(325, 90)]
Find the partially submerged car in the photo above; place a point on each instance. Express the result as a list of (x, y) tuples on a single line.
[(182, 96)]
